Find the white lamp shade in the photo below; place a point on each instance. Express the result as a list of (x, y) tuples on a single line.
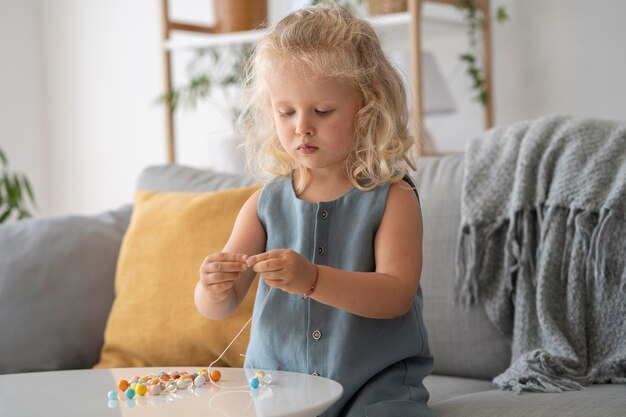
[(436, 96)]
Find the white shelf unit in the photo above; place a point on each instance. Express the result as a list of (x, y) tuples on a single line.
[(195, 37)]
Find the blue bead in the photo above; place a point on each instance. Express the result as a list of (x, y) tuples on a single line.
[(112, 395), (254, 383), (130, 393)]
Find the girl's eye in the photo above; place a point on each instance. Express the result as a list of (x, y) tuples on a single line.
[(323, 112), (286, 113)]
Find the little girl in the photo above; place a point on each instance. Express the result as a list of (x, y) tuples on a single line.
[(337, 233)]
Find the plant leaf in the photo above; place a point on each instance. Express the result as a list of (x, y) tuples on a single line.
[(18, 188), (468, 58), (483, 97), (24, 214), (6, 214), (9, 189), (3, 159), (501, 14), (29, 190)]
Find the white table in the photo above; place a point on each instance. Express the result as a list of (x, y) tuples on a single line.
[(84, 393)]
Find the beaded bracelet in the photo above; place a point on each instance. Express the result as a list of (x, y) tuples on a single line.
[(310, 291)]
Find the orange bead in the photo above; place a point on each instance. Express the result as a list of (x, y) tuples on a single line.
[(123, 385), (215, 375)]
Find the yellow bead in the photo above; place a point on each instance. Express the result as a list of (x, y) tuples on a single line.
[(141, 389)]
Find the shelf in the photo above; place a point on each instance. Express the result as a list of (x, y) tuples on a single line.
[(199, 41), (177, 36)]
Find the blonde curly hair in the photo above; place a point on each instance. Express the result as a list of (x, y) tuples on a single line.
[(328, 40)]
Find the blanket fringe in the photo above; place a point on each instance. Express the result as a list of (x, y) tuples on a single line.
[(536, 371), (519, 247)]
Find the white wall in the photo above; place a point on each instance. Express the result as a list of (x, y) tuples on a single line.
[(78, 79), (561, 56), (101, 76), (21, 99)]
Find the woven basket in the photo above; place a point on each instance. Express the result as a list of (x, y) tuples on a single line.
[(386, 6), (235, 15)]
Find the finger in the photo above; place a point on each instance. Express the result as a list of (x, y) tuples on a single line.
[(270, 265), (218, 278), (225, 267), (273, 282), (222, 287), (226, 257), (254, 259)]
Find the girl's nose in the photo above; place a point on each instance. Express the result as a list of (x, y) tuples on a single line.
[(304, 127)]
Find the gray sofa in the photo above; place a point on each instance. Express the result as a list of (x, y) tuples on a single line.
[(56, 289)]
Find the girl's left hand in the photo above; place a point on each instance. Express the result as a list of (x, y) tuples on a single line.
[(284, 269)]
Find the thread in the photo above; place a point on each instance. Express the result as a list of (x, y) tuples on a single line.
[(233, 341)]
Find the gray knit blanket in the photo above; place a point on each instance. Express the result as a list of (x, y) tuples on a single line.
[(542, 246)]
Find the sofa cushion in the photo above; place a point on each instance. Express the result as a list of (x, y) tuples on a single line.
[(463, 340), (441, 387), (154, 321), (56, 289), (604, 400), (180, 178)]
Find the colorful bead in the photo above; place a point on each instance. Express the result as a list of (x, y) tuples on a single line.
[(141, 390), (215, 375), (122, 385), (200, 380), (136, 388), (155, 389), (130, 393)]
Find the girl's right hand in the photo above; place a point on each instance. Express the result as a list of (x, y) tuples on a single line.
[(219, 272)]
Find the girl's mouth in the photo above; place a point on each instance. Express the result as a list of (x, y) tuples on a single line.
[(307, 149)]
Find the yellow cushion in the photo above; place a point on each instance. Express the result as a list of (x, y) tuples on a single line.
[(153, 320)]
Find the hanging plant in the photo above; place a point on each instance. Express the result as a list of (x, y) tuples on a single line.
[(475, 22), (211, 70), (16, 193)]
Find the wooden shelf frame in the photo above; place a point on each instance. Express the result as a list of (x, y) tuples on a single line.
[(415, 18), (415, 33)]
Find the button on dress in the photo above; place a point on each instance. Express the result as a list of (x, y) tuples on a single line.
[(380, 363)]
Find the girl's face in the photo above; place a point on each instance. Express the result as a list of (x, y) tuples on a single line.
[(315, 118)]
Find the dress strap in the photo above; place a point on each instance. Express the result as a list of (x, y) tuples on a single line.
[(412, 184)]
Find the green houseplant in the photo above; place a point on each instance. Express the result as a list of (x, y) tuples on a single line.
[(474, 22), (16, 193)]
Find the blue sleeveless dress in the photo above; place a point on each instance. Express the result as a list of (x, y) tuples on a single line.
[(379, 362)]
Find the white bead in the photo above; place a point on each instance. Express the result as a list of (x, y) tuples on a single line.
[(155, 389), (200, 381)]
